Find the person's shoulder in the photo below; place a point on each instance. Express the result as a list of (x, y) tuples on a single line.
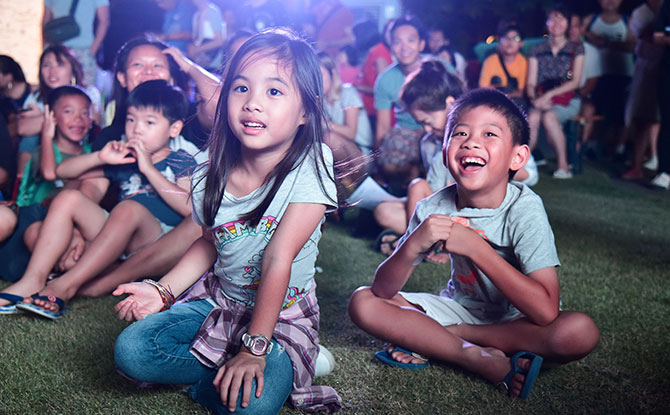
[(490, 60), (577, 48), (523, 201), (101, 3), (390, 71), (443, 201), (181, 156), (539, 48)]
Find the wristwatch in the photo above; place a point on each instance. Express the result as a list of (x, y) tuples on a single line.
[(257, 345)]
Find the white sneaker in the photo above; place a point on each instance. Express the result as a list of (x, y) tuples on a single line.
[(651, 164), (325, 362), (661, 180), (562, 174)]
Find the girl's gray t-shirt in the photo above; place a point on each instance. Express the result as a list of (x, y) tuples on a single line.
[(241, 246)]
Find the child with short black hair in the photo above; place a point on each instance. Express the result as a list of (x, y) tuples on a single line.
[(506, 69), (154, 198), (503, 295)]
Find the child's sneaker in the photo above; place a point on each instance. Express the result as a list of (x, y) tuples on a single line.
[(662, 180), (325, 362), (562, 174), (651, 164)]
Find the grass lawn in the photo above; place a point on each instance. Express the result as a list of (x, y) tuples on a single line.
[(613, 240)]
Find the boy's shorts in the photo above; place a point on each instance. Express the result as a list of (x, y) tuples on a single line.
[(448, 312)]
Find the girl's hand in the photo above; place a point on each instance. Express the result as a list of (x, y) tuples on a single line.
[(184, 63), (144, 299), (49, 126), (542, 103), (238, 372), (141, 154), (116, 152)]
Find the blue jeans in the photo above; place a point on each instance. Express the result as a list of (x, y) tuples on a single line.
[(156, 349)]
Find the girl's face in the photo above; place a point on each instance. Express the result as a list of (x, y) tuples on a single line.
[(145, 63), (56, 73), (557, 24), (264, 105), (327, 81), (73, 117), (431, 121)]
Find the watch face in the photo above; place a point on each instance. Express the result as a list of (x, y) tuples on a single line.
[(259, 346)]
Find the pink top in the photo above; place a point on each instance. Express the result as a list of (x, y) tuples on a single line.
[(369, 74)]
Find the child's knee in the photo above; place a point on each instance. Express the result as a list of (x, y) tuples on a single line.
[(360, 305), (8, 221), (67, 199), (31, 234), (419, 187), (576, 337)]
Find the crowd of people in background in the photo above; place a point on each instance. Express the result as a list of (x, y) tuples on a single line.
[(96, 165)]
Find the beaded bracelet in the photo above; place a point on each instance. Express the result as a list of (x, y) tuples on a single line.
[(166, 295)]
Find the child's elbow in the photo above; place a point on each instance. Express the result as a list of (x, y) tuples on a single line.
[(546, 317), (49, 175)]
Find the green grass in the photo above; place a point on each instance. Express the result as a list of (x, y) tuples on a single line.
[(613, 240)]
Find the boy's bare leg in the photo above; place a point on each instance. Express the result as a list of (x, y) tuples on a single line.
[(391, 215), (399, 322), (69, 209), (129, 227), (571, 336), (155, 259)]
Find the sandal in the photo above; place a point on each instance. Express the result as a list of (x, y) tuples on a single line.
[(387, 241)]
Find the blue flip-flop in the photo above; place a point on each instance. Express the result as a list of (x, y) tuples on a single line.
[(531, 374), (10, 308), (388, 359), (32, 308)]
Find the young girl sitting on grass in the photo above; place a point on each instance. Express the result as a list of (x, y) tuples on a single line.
[(246, 334)]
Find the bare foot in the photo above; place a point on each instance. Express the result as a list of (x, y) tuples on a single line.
[(402, 357), (23, 287), (56, 288), (515, 384)]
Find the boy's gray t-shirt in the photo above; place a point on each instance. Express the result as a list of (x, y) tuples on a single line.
[(518, 230), (241, 247)]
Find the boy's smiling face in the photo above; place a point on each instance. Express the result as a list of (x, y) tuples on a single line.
[(480, 153), (151, 127), (73, 117)]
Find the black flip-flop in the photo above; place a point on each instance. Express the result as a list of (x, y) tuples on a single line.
[(379, 242)]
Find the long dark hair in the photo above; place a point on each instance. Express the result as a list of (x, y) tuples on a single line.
[(62, 54), (224, 147), (9, 65), (120, 93)]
